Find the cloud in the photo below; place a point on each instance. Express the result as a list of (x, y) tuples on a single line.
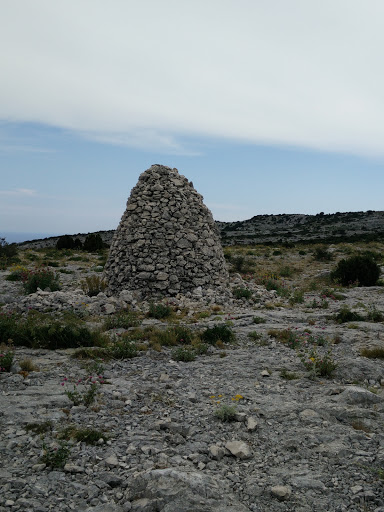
[(151, 73), (19, 192)]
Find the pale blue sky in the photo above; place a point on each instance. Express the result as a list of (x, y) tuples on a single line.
[(267, 106)]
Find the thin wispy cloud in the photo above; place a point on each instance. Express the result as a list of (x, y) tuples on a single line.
[(149, 73), (15, 148), (19, 192)]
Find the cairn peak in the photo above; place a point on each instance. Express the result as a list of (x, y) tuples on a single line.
[(167, 241)]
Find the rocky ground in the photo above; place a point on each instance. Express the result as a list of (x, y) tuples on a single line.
[(297, 442)]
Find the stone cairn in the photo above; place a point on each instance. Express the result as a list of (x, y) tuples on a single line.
[(167, 242)]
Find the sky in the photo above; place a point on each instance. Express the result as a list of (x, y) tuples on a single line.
[(268, 106)]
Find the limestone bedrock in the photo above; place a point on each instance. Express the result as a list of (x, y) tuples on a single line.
[(167, 241)]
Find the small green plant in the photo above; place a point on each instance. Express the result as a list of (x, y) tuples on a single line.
[(18, 273), (183, 354), (39, 428), (297, 297), (87, 393), (374, 315), (27, 365), (218, 333), (285, 374), (259, 320), (318, 365), (254, 335), (121, 320), (159, 310), (57, 457), (41, 278), (6, 359), (359, 269), (240, 293), (226, 413), (318, 304), (373, 353), (85, 435), (289, 337), (93, 285), (346, 315), (122, 348)]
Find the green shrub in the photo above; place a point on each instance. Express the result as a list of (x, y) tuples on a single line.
[(362, 270), (84, 435), (65, 242), (122, 349), (8, 253), (41, 278), (218, 333), (226, 413), (285, 374), (93, 242), (121, 320), (346, 315), (159, 310), (6, 359), (39, 330), (18, 273), (259, 320), (318, 364), (374, 315), (322, 254), (93, 285), (373, 353), (55, 458), (183, 354), (240, 293)]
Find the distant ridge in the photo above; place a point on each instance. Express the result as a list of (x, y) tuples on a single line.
[(283, 228)]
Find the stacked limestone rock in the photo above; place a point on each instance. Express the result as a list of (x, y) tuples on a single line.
[(167, 242)]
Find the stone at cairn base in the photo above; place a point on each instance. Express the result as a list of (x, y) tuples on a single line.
[(167, 242)]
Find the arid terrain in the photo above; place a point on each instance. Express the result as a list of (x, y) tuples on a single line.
[(282, 411)]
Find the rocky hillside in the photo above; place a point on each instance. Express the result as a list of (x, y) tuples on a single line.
[(350, 226)]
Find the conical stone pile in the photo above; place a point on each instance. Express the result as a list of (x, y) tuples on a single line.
[(167, 241)]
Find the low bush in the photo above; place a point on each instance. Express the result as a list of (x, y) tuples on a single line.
[(41, 278), (218, 333), (56, 457), (41, 330), (122, 349), (359, 269), (18, 273), (121, 320), (373, 353), (93, 285), (374, 315), (159, 310), (240, 293), (226, 413), (259, 320), (183, 354), (93, 242), (85, 435), (318, 364), (322, 254), (346, 315), (6, 359), (65, 242)]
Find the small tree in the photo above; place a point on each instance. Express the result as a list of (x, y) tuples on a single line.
[(93, 242), (65, 242), (357, 269)]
